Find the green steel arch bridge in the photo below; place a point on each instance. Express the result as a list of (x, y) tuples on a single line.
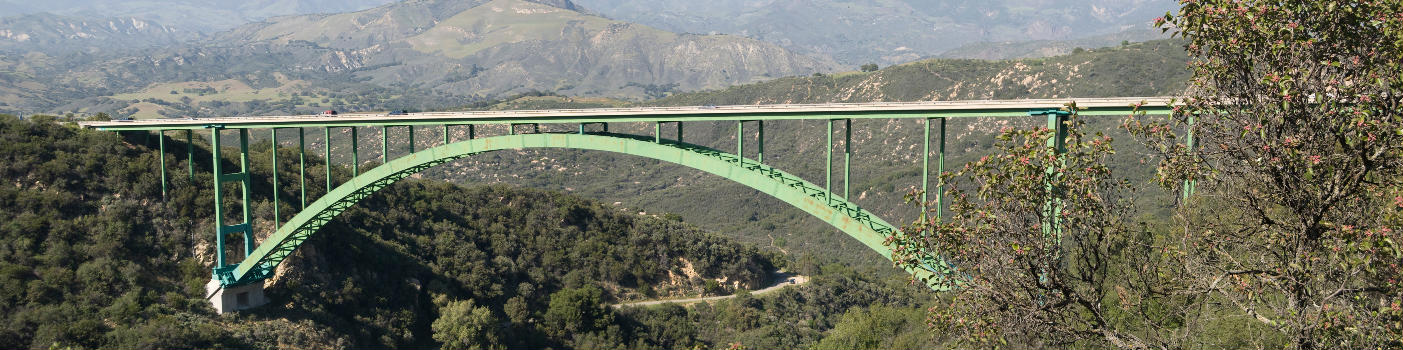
[(239, 285)]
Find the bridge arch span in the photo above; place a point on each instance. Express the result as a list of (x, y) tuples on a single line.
[(847, 217)]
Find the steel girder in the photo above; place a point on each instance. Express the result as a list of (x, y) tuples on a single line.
[(813, 199)]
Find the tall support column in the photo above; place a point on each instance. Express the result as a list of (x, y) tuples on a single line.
[(679, 132), (847, 156), (384, 144), (217, 167), (940, 169), (925, 166), (472, 131), (326, 131), (760, 141), (1052, 208), (302, 164), (657, 132), (445, 134), (1189, 142), (247, 191), (190, 153), (276, 218), (411, 139), (355, 152), (161, 141), (828, 182), (740, 143), (940, 181)]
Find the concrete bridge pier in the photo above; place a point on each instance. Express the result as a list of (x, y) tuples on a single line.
[(235, 298)]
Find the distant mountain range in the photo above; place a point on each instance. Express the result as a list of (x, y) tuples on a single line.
[(58, 35), (191, 15), (432, 54), (855, 32)]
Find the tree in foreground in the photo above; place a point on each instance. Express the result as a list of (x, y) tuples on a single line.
[(1298, 110), (1039, 250), (463, 325)]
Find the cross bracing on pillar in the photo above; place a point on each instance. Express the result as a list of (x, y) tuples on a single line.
[(593, 134)]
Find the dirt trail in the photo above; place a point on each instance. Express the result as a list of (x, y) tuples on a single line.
[(781, 281)]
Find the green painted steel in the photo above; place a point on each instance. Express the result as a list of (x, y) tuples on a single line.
[(679, 132), (1011, 111), (384, 144), (472, 131), (355, 152), (760, 141), (740, 140), (846, 216), (1057, 142), (940, 181), (847, 156), (828, 181), (925, 165), (445, 134), (247, 177), (217, 165), (411, 138), (1189, 143), (274, 138), (161, 140), (658, 132), (302, 164), (326, 132), (190, 153)]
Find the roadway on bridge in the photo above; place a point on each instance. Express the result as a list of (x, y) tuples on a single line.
[(966, 108)]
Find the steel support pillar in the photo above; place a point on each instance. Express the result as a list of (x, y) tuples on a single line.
[(445, 134), (940, 169), (161, 142), (940, 181), (679, 132), (411, 139), (740, 142), (384, 144), (1052, 207), (1189, 142), (302, 164), (217, 167), (223, 270), (472, 131), (190, 153), (760, 142), (828, 180), (247, 190), (276, 218), (326, 131), (355, 152), (847, 157), (657, 132)]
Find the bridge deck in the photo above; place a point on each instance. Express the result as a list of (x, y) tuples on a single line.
[(974, 108)]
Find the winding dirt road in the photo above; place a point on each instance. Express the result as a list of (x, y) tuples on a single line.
[(783, 281)]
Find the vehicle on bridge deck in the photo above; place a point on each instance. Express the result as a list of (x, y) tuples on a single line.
[(328, 112)]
